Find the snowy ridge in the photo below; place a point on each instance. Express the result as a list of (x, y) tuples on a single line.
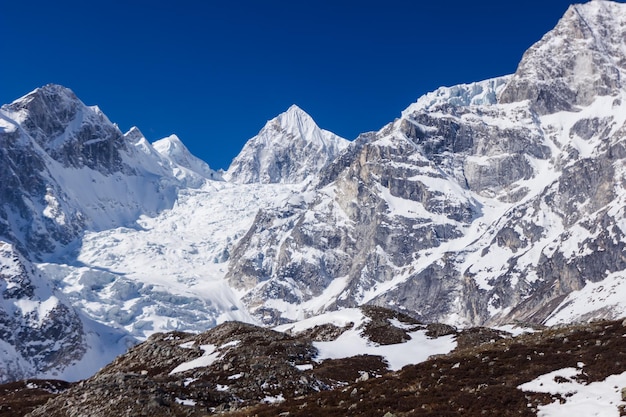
[(474, 94), (180, 158)]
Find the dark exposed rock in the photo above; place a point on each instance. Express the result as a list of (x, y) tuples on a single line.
[(249, 365), (45, 333)]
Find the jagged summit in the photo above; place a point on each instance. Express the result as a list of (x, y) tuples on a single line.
[(134, 134), (581, 58), (70, 132), (290, 148), (46, 95)]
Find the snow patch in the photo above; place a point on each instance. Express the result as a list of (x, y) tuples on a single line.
[(595, 399)]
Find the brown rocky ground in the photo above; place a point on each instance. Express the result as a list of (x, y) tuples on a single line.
[(473, 380), (254, 367), (19, 398)]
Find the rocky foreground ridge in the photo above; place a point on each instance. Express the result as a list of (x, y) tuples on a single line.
[(255, 371)]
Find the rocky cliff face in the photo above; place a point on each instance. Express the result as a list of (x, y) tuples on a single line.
[(589, 61), (483, 203)]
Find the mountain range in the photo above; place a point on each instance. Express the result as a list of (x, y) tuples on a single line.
[(483, 204)]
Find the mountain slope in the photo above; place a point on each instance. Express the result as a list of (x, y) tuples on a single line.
[(237, 369), (67, 168), (483, 203)]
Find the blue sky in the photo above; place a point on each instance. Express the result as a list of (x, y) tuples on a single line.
[(214, 72)]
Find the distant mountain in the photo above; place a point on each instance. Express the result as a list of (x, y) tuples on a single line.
[(290, 148), (484, 203), (65, 169), (182, 162)]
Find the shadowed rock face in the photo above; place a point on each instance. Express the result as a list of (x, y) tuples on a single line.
[(56, 131), (38, 332), (71, 133)]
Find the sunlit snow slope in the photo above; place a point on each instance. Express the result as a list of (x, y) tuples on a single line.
[(168, 272)]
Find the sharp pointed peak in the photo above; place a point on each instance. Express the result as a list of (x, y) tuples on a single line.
[(134, 134), (294, 111), (294, 114), (294, 108)]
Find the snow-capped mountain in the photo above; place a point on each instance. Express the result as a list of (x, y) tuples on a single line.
[(96, 205), (483, 203), (290, 149), (66, 168)]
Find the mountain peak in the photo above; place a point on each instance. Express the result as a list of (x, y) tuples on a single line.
[(49, 99), (173, 150), (51, 90), (134, 134), (580, 59), (289, 149), (294, 108), (294, 119)]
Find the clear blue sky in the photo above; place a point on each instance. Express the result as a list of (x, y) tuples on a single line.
[(214, 72)]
